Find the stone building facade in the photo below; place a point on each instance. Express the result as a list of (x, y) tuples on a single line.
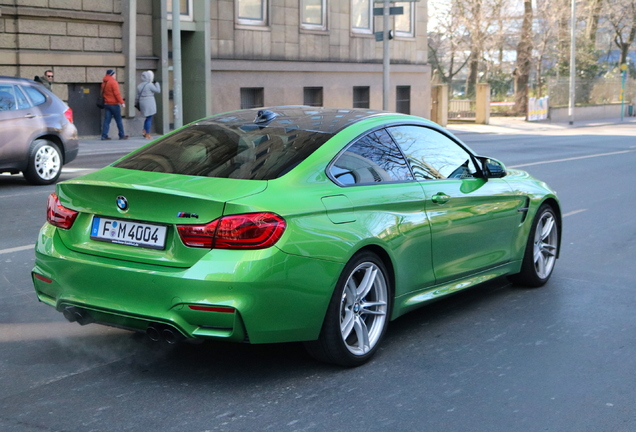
[(234, 53)]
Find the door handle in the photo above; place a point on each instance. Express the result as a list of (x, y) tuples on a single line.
[(440, 198), (29, 115)]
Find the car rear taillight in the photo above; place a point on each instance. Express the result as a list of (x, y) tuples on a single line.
[(69, 114), (244, 231), (58, 215)]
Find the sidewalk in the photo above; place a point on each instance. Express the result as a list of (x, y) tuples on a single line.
[(498, 125), (131, 143), (517, 125)]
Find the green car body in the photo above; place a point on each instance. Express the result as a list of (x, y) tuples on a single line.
[(434, 237)]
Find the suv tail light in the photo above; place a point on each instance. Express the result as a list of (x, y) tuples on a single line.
[(58, 215), (244, 231), (69, 114)]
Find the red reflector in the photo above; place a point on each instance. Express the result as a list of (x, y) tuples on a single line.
[(212, 308), (243, 231), (42, 278), (58, 215)]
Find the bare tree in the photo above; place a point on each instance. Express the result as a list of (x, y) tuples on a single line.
[(447, 42), (622, 19), (476, 21), (545, 39)]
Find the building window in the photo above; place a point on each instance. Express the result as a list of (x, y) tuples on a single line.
[(403, 99), (313, 96), (252, 12), (361, 97), (362, 16), (405, 23), (313, 14), (185, 7), (252, 97)]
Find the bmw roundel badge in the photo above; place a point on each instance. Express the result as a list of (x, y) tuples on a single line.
[(122, 202)]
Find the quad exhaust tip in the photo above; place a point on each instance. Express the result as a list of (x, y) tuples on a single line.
[(78, 315), (163, 333)]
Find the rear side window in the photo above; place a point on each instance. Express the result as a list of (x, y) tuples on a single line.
[(374, 158), (7, 98), (36, 97), (228, 151)]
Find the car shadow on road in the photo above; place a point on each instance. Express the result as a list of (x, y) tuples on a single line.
[(423, 327)]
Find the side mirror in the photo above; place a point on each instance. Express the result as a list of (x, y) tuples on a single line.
[(492, 168)]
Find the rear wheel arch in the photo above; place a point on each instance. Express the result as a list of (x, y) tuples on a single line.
[(381, 253), (55, 140), (357, 317)]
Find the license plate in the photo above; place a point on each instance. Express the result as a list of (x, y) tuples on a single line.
[(128, 233)]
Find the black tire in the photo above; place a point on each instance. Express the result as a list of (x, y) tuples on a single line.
[(45, 163), (541, 250), (362, 312)]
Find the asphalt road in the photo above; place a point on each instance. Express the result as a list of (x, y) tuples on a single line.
[(492, 358)]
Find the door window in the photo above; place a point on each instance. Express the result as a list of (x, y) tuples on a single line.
[(433, 155), (374, 158)]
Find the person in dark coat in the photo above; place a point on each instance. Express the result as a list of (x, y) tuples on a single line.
[(45, 79), (113, 103), (146, 99)]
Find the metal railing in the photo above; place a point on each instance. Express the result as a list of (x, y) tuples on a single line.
[(461, 109)]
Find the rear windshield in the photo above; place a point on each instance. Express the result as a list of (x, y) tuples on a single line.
[(222, 150)]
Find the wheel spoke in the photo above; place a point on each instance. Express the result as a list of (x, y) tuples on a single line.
[(549, 250), (362, 332), (366, 305), (540, 264), (347, 324), (367, 282), (547, 228), (350, 292)]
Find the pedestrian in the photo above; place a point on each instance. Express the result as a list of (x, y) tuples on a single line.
[(145, 100), (45, 79), (113, 103)]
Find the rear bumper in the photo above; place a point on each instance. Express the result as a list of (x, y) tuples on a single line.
[(262, 296), (71, 143), (71, 152)]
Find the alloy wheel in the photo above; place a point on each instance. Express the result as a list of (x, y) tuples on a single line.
[(363, 308), (545, 245)]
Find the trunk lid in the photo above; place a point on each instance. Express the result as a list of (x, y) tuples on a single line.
[(154, 200)]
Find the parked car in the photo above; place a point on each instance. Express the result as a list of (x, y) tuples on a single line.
[(38, 135), (290, 224)]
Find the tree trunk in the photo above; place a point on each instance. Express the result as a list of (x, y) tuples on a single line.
[(592, 22), (473, 69), (524, 60)]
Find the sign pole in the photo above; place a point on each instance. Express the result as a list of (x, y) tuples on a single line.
[(572, 63), (624, 70), (386, 57)]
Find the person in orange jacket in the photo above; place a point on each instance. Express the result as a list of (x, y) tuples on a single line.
[(113, 103)]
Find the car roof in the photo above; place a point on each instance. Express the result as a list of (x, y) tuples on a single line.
[(4, 77), (318, 119)]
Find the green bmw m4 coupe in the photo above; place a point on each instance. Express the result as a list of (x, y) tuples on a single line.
[(290, 224)]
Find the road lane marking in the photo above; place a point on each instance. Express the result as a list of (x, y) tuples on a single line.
[(72, 170), (572, 158), (28, 193), (574, 212), (16, 249)]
